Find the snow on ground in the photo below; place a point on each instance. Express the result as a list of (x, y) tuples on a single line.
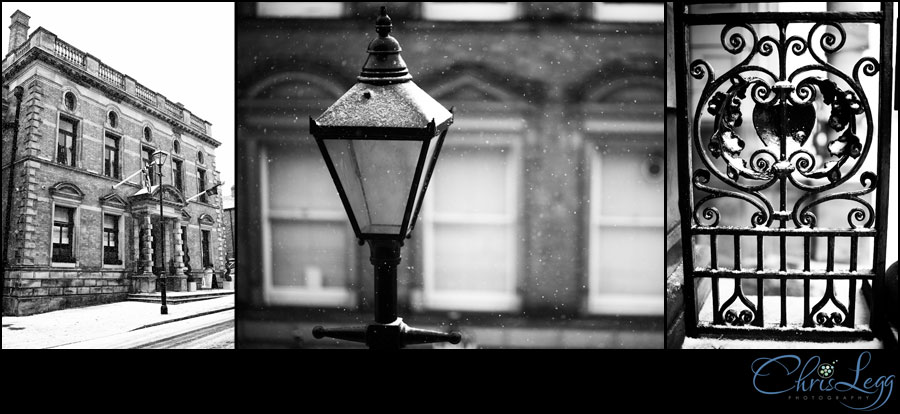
[(716, 343)]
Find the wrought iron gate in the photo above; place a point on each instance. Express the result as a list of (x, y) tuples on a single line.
[(792, 175)]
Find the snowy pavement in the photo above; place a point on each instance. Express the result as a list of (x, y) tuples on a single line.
[(72, 326), (215, 330)]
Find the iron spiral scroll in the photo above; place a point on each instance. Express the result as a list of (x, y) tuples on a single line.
[(784, 117)]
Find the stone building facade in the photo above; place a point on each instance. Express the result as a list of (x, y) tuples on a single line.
[(71, 238), (524, 238)]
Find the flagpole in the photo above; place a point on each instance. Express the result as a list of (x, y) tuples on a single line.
[(203, 192), (127, 179)]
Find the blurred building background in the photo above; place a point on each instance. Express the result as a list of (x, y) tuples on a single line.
[(543, 225)]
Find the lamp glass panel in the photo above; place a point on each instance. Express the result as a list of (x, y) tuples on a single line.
[(432, 145), (377, 176)]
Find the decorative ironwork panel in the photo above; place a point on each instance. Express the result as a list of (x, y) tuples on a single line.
[(788, 136)]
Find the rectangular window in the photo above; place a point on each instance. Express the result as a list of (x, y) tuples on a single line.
[(484, 11), (308, 242), (207, 259), (111, 240), (629, 12), (147, 154), (475, 220), (201, 182), (63, 231), (623, 271), (65, 141), (314, 9), (111, 157), (177, 168)]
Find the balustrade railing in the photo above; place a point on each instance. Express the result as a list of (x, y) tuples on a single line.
[(69, 53)]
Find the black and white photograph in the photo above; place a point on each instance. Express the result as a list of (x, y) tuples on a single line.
[(118, 174), (450, 175), (782, 164)]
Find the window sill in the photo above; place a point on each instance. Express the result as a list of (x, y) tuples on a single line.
[(64, 265), (624, 304), (328, 297), (471, 301), (113, 267)]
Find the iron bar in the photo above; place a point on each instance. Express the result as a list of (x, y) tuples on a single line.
[(802, 232), (789, 275), (792, 17)]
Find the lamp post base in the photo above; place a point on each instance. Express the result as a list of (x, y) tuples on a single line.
[(388, 331), (394, 335)]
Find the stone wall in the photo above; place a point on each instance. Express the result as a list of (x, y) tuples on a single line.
[(33, 283)]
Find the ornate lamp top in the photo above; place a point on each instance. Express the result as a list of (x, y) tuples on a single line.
[(384, 66)]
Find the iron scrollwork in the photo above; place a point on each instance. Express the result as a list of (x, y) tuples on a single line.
[(784, 113), (784, 118)]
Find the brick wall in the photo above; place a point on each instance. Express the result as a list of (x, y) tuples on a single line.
[(33, 283)]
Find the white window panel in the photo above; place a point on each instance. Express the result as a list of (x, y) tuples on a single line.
[(321, 9), (624, 268), (470, 11), (629, 12), (306, 235), (299, 180), (475, 182), (469, 232)]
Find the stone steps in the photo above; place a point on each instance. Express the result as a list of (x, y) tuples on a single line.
[(179, 297)]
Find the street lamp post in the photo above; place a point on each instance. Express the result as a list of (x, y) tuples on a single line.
[(381, 141), (159, 158)]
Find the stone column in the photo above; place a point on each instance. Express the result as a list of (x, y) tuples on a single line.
[(147, 247), (178, 282), (145, 282), (179, 250)]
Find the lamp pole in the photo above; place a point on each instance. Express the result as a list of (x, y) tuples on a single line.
[(164, 309)]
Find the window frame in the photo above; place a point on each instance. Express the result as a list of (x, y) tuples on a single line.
[(205, 246), (625, 12), (112, 119), (261, 12), (117, 167), (70, 234), (599, 303), (66, 95), (178, 174), (143, 162), (201, 185), (453, 12), (120, 233), (73, 235), (76, 139), (320, 296), (147, 133), (476, 300)]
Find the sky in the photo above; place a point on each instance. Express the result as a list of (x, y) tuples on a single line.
[(184, 51)]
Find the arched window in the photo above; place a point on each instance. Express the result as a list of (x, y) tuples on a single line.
[(176, 147), (148, 133), (113, 119), (200, 157), (70, 101)]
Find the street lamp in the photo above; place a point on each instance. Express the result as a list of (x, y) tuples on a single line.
[(380, 142), (159, 159)]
